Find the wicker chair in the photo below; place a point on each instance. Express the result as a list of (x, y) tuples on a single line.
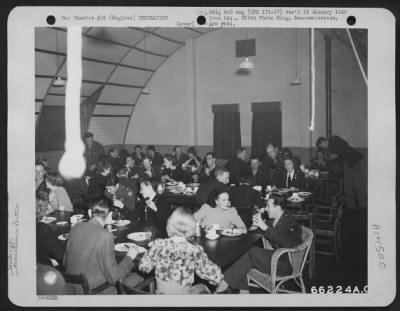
[(297, 256)]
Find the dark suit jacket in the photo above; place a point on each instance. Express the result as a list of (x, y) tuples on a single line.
[(97, 186), (90, 250), (157, 159), (244, 198), (261, 178), (298, 180), (237, 168), (205, 189), (155, 173), (47, 245), (176, 174), (286, 233), (93, 154), (203, 177), (147, 216)]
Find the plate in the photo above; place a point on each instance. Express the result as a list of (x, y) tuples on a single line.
[(61, 223), (304, 194), (122, 222), (48, 220), (213, 237), (231, 232), (63, 237), (193, 185), (175, 191), (292, 199), (138, 236), (172, 183), (123, 247)]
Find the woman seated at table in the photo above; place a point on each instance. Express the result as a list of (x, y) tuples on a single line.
[(220, 213), (193, 161), (47, 244), (171, 171), (292, 179), (176, 259), (58, 196), (151, 210), (97, 183)]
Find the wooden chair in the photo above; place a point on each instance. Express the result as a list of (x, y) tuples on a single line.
[(139, 289), (82, 280), (328, 220), (297, 256)]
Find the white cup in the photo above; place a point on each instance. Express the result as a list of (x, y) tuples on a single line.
[(73, 219), (269, 188)]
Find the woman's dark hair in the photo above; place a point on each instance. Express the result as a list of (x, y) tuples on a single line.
[(112, 150), (53, 178), (320, 140), (215, 195), (170, 158), (151, 147), (254, 157), (192, 150), (287, 152), (278, 200)]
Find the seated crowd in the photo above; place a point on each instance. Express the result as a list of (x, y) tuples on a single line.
[(122, 185)]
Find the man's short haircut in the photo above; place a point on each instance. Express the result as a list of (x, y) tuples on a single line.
[(53, 178), (88, 135), (170, 158), (138, 146), (112, 150), (246, 180), (151, 147), (211, 153), (191, 150), (272, 145), (181, 223), (175, 147), (219, 170), (320, 140), (100, 206), (278, 200), (146, 183), (146, 158), (240, 150), (112, 180), (254, 157)]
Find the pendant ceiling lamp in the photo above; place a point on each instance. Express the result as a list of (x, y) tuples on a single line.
[(296, 80), (58, 81), (246, 64), (145, 90)]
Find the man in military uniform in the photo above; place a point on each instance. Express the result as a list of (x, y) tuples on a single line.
[(122, 196), (281, 230)]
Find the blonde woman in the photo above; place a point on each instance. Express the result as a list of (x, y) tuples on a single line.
[(176, 259)]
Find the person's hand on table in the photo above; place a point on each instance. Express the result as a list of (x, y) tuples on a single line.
[(259, 222), (118, 204), (132, 252)]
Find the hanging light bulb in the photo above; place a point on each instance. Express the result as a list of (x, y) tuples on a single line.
[(296, 80), (72, 163), (58, 81), (145, 90), (246, 64)]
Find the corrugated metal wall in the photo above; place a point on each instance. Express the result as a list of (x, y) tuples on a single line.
[(108, 130)]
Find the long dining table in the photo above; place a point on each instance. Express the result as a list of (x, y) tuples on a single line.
[(223, 251)]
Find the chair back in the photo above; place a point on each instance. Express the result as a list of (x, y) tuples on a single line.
[(79, 279), (298, 255), (339, 206)]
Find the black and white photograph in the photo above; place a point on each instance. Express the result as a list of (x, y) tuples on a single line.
[(202, 159)]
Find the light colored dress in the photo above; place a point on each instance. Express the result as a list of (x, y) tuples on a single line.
[(59, 197), (176, 261), (225, 218)]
